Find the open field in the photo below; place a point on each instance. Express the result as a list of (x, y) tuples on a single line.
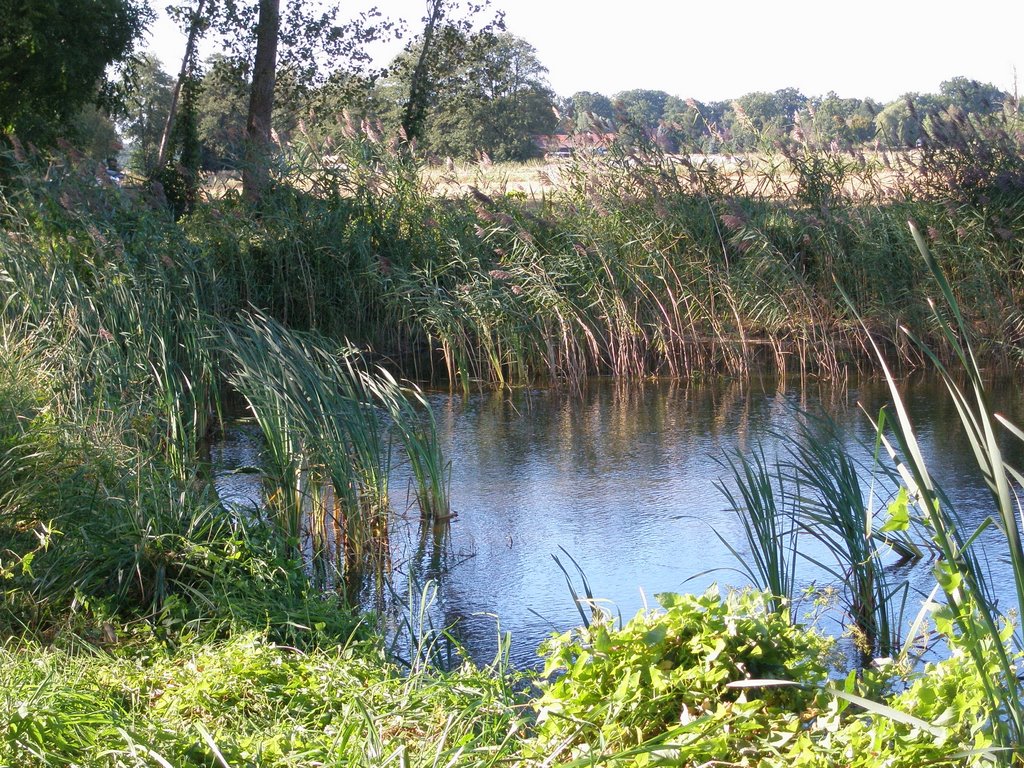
[(865, 175)]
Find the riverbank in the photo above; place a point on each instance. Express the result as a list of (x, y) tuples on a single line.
[(144, 625), (668, 688)]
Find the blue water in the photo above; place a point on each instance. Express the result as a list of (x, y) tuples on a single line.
[(623, 478)]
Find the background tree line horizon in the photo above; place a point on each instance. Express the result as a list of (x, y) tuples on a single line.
[(463, 88), (500, 116)]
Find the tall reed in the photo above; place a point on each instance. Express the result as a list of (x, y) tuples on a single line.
[(972, 607), (328, 421), (837, 511), (766, 511)]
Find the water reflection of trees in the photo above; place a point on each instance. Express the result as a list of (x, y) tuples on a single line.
[(611, 473)]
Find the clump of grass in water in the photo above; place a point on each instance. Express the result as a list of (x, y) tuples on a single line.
[(816, 494), (323, 418), (834, 509), (766, 513)]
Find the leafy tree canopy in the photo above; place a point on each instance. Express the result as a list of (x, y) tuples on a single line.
[(638, 113), (53, 58), (313, 45), (972, 96), (221, 109), (488, 94), (147, 102), (591, 111)]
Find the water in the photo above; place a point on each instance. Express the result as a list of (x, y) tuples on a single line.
[(623, 479)]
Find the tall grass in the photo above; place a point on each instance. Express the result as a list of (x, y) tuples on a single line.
[(111, 340), (837, 511), (765, 509), (327, 421), (638, 263), (972, 611), (105, 293), (810, 505)]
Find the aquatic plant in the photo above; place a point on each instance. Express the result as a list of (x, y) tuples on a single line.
[(326, 419), (834, 509), (972, 610), (766, 511)]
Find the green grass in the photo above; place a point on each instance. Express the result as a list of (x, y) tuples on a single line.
[(682, 685)]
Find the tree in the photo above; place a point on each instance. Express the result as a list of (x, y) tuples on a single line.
[(592, 111), (147, 104), (683, 124), (638, 114), (449, 32), (258, 132), (901, 123), (54, 56), (973, 97), (488, 94), (195, 22), (263, 38), (95, 133), (762, 116), (838, 120), (415, 112), (222, 107)]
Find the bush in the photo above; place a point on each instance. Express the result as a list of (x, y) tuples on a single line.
[(663, 679)]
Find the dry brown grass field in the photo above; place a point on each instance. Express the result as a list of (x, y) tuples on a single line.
[(860, 175)]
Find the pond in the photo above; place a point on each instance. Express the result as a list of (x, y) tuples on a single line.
[(624, 480)]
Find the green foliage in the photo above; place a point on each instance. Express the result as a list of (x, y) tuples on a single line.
[(762, 117), (973, 97), (145, 113), (53, 56), (765, 509), (246, 700), (119, 325), (95, 134), (638, 114), (592, 111), (667, 675), (489, 96), (972, 614), (221, 109)]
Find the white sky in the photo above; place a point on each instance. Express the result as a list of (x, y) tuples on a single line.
[(876, 48)]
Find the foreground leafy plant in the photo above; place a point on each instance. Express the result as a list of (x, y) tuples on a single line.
[(621, 688)]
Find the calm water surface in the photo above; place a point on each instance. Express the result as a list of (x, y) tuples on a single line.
[(624, 479)]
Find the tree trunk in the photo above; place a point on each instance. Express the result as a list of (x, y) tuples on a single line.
[(255, 172), (190, 49), (416, 107)]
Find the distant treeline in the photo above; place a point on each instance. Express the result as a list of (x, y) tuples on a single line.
[(502, 115), (463, 88)]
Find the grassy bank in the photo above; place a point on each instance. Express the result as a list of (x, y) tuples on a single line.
[(666, 689), (145, 625)]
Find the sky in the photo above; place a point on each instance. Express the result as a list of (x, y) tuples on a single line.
[(867, 48)]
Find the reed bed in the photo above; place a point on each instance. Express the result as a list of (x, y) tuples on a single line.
[(119, 351), (636, 264), (328, 422)]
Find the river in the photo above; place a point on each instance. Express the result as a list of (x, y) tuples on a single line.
[(623, 479)]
